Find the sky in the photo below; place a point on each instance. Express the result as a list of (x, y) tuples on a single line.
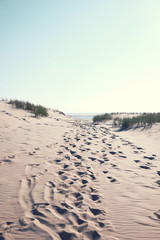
[(81, 55)]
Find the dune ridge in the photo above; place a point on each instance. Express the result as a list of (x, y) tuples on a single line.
[(66, 179)]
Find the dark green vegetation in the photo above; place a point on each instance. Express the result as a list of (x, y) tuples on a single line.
[(38, 110), (141, 120), (102, 117), (125, 123)]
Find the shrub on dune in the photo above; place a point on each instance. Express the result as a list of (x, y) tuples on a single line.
[(141, 120), (126, 123), (30, 106), (38, 110), (102, 117)]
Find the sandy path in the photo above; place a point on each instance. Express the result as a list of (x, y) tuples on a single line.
[(68, 179)]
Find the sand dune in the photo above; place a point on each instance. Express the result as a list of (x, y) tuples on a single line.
[(66, 179)]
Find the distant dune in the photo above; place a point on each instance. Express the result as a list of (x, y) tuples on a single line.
[(68, 179)]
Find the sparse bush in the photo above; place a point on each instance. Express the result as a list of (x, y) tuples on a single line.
[(19, 104), (102, 117), (60, 112), (117, 121), (30, 106), (38, 110), (126, 123)]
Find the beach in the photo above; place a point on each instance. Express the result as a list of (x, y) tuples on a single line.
[(65, 179)]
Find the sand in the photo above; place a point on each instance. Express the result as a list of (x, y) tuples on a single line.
[(69, 179)]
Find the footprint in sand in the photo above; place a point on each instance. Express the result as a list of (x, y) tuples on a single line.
[(78, 196), (84, 181), (158, 182), (72, 152), (74, 218), (73, 145), (158, 172), (60, 152), (1, 236), (58, 161), (63, 177), (77, 164), (144, 167), (156, 216), (81, 173), (112, 180), (122, 156), (120, 152), (67, 157), (77, 139), (78, 199), (150, 158), (78, 156), (137, 161), (92, 158), (60, 210), (109, 144), (101, 161), (113, 165), (112, 152), (104, 154), (5, 160), (103, 150), (31, 153), (106, 159), (96, 211), (66, 166), (37, 148), (135, 152), (64, 204), (49, 192), (64, 235), (92, 235), (95, 197)]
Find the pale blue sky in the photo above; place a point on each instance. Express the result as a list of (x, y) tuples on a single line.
[(81, 55)]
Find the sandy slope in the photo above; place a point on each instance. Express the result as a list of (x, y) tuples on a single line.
[(68, 179)]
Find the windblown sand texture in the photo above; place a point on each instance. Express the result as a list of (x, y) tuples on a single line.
[(66, 179)]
